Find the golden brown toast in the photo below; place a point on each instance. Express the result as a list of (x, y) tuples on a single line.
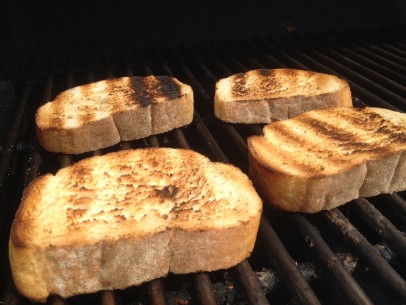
[(268, 95), (121, 219), (101, 114), (324, 158)]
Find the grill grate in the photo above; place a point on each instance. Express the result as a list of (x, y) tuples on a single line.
[(355, 254)]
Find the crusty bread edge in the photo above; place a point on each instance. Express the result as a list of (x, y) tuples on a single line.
[(26, 272), (101, 266), (26, 269), (88, 137), (196, 250), (26, 213)]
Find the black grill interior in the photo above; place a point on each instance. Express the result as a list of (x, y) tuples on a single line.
[(355, 254)]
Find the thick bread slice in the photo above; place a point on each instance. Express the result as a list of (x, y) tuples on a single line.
[(113, 221), (268, 95), (101, 114), (324, 158)]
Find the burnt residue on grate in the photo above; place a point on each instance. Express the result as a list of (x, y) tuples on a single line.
[(354, 254)]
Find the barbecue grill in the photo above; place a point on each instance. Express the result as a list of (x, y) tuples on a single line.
[(354, 254)]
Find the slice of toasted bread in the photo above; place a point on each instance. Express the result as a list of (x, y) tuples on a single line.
[(324, 158), (101, 114), (121, 219), (268, 95)]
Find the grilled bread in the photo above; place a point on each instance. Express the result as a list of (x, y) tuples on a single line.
[(103, 113), (324, 158), (268, 95), (124, 218)]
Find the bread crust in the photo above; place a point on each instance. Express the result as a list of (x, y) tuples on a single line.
[(86, 268), (207, 247), (101, 114), (268, 95), (174, 211), (304, 164)]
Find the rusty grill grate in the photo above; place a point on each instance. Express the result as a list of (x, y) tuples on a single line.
[(355, 254)]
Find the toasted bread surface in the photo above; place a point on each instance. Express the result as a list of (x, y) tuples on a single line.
[(268, 95), (103, 113), (121, 219), (304, 164)]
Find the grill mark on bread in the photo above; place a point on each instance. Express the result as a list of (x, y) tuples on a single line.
[(370, 143), (243, 88), (57, 115), (56, 118), (293, 141), (326, 142), (351, 139), (111, 95), (324, 128), (272, 83), (239, 87), (364, 132), (147, 89)]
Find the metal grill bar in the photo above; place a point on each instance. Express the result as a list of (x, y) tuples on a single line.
[(397, 205), (385, 272), (157, 292), (381, 60), (382, 42), (395, 38), (366, 60), (286, 266), (108, 298), (382, 226), (336, 272), (204, 289), (377, 48), (249, 281), (380, 81)]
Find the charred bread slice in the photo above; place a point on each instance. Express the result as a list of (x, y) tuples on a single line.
[(322, 159), (268, 95), (101, 114), (121, 219)]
